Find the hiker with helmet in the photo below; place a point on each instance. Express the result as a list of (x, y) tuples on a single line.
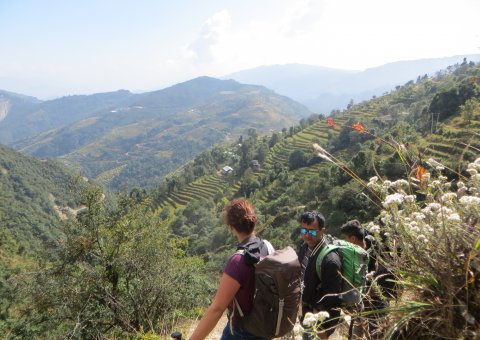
[(325, 295), (238, 279)]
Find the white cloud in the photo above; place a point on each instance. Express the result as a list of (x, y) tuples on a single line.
[(347, 34), (214, 30), (215, 41)]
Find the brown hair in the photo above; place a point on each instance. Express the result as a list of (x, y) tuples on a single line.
[(239, 214)]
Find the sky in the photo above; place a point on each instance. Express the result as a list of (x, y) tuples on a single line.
[(51, 48)]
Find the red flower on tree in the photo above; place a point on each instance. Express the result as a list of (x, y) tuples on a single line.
[(330, 122), (358, 127)]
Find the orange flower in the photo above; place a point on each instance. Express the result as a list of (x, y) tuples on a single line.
[(330, 122), (420, 173), (358, 127)]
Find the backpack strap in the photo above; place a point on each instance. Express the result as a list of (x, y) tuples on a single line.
[(268, 245), (324, 252), (258, 246), (255, 249), (235, 305)]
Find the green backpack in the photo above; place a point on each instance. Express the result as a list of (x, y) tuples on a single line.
[(354, 268)]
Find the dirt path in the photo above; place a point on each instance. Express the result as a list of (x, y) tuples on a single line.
[(217, 331), (187, 330)]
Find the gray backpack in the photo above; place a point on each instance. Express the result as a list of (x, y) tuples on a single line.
[(277, 295)]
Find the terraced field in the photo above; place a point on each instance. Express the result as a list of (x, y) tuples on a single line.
[(205, 187), (456, 147), (209, 186), (303, 140), (459, 143)]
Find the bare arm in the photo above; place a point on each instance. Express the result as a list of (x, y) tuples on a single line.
[(226, 292)]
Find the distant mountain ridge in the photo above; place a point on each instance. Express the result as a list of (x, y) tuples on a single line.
[(324, 89), (28, 116), (123, 138)]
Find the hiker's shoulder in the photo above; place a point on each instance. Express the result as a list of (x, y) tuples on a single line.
[(332, 259), (236, 258), (236, 267)]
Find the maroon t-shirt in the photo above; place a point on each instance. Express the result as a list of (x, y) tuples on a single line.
[(244, 274)]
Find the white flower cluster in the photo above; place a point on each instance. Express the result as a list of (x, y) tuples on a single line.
[(422, 221), (471, 204), (417, 222), (393, 200), (399, 184), (311, 319), (454, 217), (372, 181), (449, 197), (410, 198), (373, 228), (436, 165), (298, 330)]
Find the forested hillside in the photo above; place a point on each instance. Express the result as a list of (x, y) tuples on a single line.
[(26, 116), (35, 195), (119, 138), (430, 117)]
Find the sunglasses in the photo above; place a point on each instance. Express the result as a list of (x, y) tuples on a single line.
[(311, 232)]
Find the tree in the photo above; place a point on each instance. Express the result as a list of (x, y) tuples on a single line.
[(252, 133), (297, 159), (274, 140), (172, 183), (448, 103), (248, 186), (115, 272), (470, 109), (262, 152), (350, 104)]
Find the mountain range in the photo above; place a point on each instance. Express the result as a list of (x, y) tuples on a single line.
[(121, 138), (324, 89)]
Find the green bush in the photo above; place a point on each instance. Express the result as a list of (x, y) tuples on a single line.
[(117, 273)]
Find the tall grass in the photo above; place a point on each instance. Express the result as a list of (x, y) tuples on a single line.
[(428, 234)]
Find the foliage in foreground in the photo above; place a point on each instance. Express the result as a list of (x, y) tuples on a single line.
[(118, 272), (428, 235), (433, 237)]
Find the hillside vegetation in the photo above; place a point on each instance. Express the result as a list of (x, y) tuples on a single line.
[(27, 116), (152, 260), (34, 193), (432, 116), (118, 138), (35, 196)]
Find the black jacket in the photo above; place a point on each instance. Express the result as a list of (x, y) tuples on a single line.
[(314, 297), (314, 292)]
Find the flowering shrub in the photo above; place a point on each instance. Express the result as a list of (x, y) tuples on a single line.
[(428, 230), (312, 322)]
